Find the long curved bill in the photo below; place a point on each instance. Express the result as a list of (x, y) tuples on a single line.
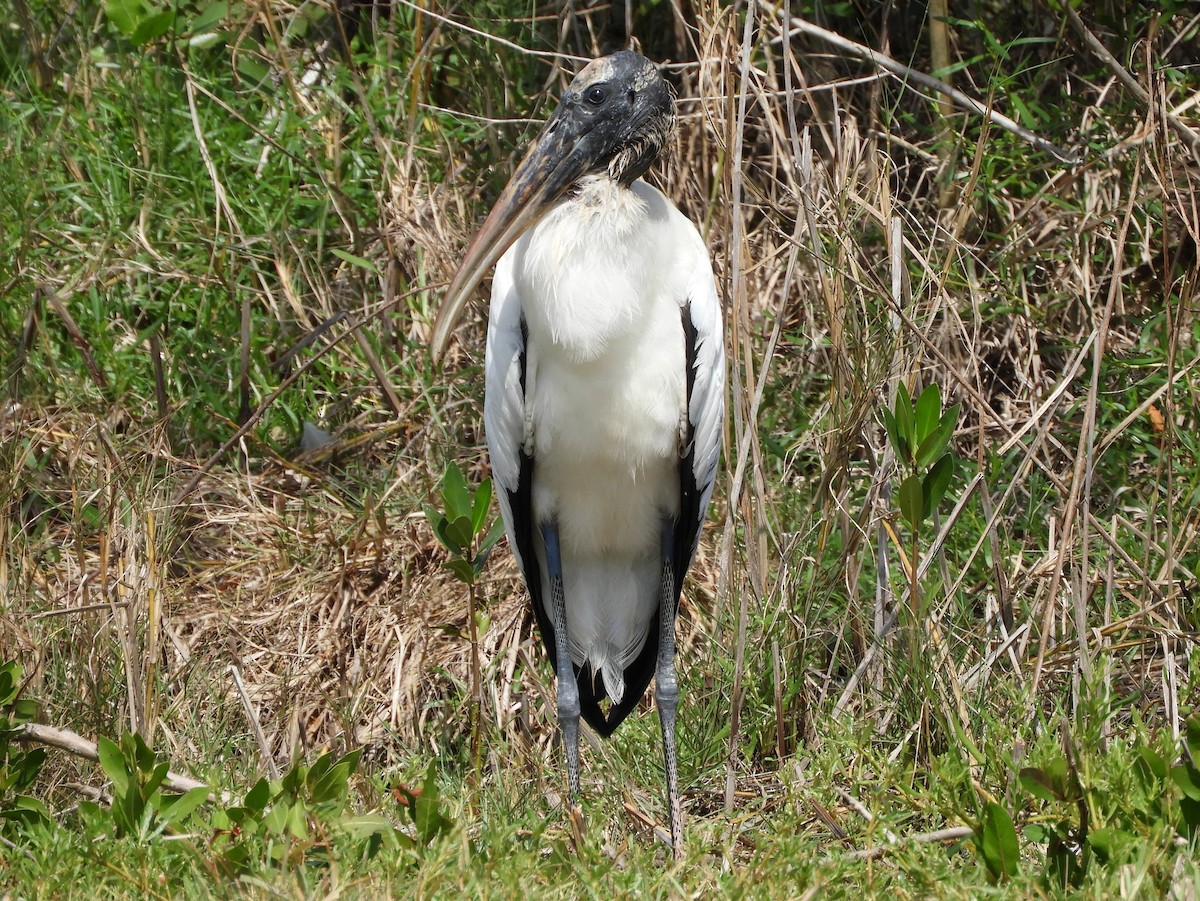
[(554, 162)]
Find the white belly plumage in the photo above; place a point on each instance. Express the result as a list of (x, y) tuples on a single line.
[(605, 399)]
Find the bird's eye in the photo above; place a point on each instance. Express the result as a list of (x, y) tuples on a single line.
[(595, 95)]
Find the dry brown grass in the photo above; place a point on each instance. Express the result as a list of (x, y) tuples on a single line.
[(854, 253)]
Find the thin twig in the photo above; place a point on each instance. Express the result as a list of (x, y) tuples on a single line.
[(263, 748), (882, 61), (1094, 44), (940, 835), (74, 743)]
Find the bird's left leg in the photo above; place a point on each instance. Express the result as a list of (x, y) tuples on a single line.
[(666, 687), (568, 688)]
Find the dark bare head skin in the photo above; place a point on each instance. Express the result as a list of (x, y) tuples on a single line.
[(614, 118)]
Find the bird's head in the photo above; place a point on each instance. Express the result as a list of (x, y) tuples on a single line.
[(614, 118)]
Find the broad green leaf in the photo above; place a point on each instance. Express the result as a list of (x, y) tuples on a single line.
[(152, 27), (210, 15), (25, 709), (366, 825), (489, 541), (1188, 780), (459, 532), (905, 425), (480, 506), (124, 14), (1191, 816), (276, 819), (252, 69), (112, 761), (928, 411), (1193, 740), (317, 771), (933, 447), (10, 679), (910, 498), (1036, 833), (998, 842), (937, 481), (463, 570), (360, 262), (438, 523), (334, 784), (177, 808), (1049, 783), (143, 755), (893, 433), (157, 775), (29, 809), (1150, 768), (1109, 844), (297, 821), (258, 796), (456, 496)]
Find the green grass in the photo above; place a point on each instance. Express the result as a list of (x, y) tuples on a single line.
[(170, 206)]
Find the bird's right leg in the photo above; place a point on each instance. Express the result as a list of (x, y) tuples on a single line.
[(568, 688)]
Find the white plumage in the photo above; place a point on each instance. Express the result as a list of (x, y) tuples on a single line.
[(605, 380), (602, 282)]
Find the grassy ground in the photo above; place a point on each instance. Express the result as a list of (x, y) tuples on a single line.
[(217, 231)]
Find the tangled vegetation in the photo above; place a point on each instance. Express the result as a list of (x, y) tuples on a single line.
[(940, 638)]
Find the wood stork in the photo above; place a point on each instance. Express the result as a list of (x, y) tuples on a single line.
[(605, 381)]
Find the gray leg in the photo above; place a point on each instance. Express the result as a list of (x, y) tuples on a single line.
[(666, 687), (568, 689)]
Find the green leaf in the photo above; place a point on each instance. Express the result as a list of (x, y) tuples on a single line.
[(426, 810), (893, 433), (1188, 780), (366, 825), (463, 570), (937, 481), (997, 841), (458, 531), (112, 761), (297, 821), (360, 262), (1150, 768), (124, 14), (333, 785), (210, 15), (1036, 833), (259, 796), (456, 496), (1048, 783), (154, 780), (24, 710), (1190, 809), (489, 541), (1192, 740), (10, 680), (177, 808), (276, 819), (440, 524), (928, 410), (480, 505), (910, 498), (1109, 844), (152, 27), (139, 752), (905, 426), (930, 449), (252, 69)]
